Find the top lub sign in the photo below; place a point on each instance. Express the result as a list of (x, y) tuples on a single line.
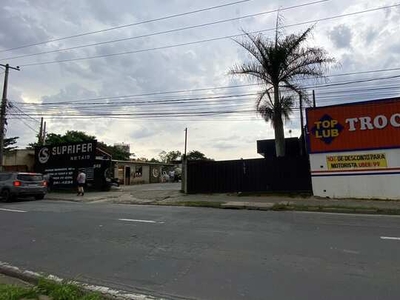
[(355, 126)]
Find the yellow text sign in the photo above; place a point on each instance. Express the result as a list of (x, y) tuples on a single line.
[(356, 161)]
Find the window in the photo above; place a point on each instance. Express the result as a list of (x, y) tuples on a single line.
[(29, 177), (138, 172), (4, 177)]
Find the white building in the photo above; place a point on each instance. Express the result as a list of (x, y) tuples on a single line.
[(355, 149)]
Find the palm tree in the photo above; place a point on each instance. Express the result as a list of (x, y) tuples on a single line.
[(279, 64)]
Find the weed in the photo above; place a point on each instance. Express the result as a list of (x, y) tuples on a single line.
[(64, 291), (12, 292)]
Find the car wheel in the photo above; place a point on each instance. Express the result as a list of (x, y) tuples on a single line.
[(39, 197), (6, 195)]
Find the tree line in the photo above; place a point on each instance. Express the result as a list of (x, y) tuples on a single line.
[(117, 152)]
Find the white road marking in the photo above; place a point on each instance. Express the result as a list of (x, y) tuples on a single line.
[(390, 238), (13, 210), (350, 251), (140, 221)]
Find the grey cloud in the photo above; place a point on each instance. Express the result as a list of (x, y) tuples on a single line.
[(19, 29), (370, 35), (341, 36), (142, 132), (224, 145), (70, 92)]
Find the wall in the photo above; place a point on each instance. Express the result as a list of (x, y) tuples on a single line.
[(274, 174), (145, 168), (367, 181), (20, 157)]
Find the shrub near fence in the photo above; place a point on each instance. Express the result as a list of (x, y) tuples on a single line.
[(283, 174)]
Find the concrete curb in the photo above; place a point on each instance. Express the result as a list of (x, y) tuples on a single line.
[(108, 293), (289, 207), (335, 209), (247, 205), (80, 199)]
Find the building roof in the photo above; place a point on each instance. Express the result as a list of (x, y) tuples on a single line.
[(142, 162)]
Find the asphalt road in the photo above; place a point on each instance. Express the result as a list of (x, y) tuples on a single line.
[(200, 253)]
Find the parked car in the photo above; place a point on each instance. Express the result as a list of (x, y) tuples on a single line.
[(18, 184)]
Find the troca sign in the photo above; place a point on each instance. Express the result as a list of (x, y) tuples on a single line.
[(359, 126)]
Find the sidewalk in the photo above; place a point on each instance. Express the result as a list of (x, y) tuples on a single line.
[(169, 194)]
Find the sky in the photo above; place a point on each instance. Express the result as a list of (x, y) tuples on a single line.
[(148, 76)]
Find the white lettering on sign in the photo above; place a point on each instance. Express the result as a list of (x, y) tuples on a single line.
[(379, 122), (393, 121), (365, 123), (72, 149), (352, 123)]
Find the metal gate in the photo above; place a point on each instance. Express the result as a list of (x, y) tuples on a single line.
[(281, 174)]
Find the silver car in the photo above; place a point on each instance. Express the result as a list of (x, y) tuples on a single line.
[(17, 184)]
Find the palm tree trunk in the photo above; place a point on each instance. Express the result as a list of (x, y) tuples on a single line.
[(278, 125)]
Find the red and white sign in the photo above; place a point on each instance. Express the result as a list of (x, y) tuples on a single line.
[(356, 126)]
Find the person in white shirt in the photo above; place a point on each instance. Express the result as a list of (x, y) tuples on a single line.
[(81, 179)]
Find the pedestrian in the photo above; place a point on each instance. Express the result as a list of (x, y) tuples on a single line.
[(81, 179), (171, 176)]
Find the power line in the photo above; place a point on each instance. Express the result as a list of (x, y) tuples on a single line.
[(128, 25), (159, 101), (145, 94), (204, 41), (357, 91), (167, 31), (22, 120), (352, 82), (21, 111), (201, 89), (365, 72)]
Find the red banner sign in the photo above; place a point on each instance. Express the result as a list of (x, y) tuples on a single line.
[(355, 126)]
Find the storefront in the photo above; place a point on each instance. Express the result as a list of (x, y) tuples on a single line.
[(355, 149), (63, 161), (136, 172)]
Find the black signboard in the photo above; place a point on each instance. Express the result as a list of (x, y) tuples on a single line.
[(61, 162)]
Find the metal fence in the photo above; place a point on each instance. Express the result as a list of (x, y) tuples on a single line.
[(283, 174)]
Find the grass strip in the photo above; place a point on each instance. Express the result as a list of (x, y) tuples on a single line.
[(13, 292), (45, 287)]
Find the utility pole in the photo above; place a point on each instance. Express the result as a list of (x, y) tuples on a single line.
[(44, 134), (3, 110), (184, 166), (40, 137), (301, 113), (313, 99), (301, 124), (186, 130)]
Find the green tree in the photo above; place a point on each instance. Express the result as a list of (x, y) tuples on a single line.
[(116, 152), (196, 155), (279, 64), (167, 157), (9, 142), (73, 136)]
